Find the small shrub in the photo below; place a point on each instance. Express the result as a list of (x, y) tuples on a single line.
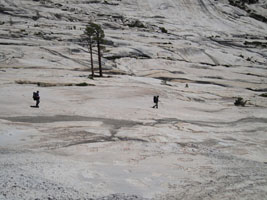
[(163, 30), (82, 84), (263, 95), (240, 102)]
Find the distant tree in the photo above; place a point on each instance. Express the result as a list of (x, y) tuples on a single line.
[(99, 37), (89, 34), (94, 32)]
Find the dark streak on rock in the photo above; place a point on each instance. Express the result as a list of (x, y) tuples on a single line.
[(258, 90), (66, 118), (192, 81)]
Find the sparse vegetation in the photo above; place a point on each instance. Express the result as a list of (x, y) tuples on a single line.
[(240, 102), (163, 30), (263, 95), (82, 84)]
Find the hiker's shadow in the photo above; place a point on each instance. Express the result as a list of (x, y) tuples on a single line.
[(34, 106)]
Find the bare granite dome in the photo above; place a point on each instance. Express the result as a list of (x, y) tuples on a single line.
[(100, 138)]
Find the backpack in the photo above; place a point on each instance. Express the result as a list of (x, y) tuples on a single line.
[(35, 96), (155, 99)]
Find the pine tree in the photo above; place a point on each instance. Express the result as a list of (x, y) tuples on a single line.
[(95, 32), (99, 36), (89, 33)]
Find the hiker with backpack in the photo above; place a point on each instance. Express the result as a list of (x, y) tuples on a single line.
[(36, 97), (156, 101)]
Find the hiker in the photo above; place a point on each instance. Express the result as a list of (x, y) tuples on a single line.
[(36, 97), (156, 101)]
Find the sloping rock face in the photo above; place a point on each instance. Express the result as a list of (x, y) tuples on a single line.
[(99, 138), (255, 9), (196, 32)]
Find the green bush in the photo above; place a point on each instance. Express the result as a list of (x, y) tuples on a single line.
[(263, 95), (240, 102), (163, 30), (82, 84)]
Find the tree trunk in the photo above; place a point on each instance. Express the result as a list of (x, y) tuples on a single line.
[(99, 57), (91, 55)]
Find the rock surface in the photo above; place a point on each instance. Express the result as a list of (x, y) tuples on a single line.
[(100, 139)]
